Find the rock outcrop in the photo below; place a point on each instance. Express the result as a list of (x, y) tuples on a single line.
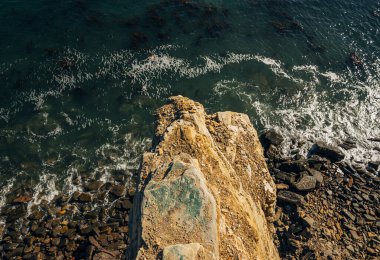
[(205, 191)]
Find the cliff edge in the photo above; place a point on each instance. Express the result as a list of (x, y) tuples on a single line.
[(205, 191)]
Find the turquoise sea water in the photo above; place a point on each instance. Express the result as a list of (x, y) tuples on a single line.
[(80, 79)]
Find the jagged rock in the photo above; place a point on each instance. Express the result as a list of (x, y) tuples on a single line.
[(317, 175), (348, 144), (118, 190), (272, 137), (328, 151), (93, 186), (374, 164), (85, 197), (206, 174), (293, 166), (22, 199), (374, 139), (290, 197)]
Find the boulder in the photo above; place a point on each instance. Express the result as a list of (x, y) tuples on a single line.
[(330, 152), (271, 137), (306, 183), (205, 174)]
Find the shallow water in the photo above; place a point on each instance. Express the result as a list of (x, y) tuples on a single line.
[(80, 80)]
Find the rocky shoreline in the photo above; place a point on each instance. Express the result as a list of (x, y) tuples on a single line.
[(88, 224), (327, 208)]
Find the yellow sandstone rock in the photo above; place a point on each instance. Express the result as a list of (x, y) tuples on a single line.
[(205, 193)]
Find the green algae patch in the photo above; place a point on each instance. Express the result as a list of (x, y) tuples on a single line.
[(180, 193)]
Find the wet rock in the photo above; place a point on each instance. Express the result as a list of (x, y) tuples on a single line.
[(328, 151), (355, 59), (293, 166), (123, 204), (123, 229), (272, 152), (117, 190), (40, 232), (85, 229), (85, 197), (75, 195), (271, 137), (374, 164), (286, 177), (91, 215), (93, 186), (348, 144), (290, 197), (374, 139), (9, 246), (22, 199)]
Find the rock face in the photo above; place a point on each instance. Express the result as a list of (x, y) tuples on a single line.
[(205, 191)]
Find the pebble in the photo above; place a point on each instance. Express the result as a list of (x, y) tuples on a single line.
[(282, 186)]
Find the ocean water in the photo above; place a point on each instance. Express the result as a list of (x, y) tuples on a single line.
[(80, 80)]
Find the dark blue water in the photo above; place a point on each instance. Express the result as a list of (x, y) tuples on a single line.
[(80, 80)]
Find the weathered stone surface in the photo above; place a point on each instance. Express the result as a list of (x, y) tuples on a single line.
[(85, 197), (293, 166), (93, 186), (206, 174), (317, 175), (290, 197), (118, 190), (193, 251), (306, 183), (328, 151), (272, 137)]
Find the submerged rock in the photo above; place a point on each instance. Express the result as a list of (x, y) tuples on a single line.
[(205, 192)]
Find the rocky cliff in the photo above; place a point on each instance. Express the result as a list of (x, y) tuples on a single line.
[(205, 191)]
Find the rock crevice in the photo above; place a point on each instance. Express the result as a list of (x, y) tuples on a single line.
[(204, 191)]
